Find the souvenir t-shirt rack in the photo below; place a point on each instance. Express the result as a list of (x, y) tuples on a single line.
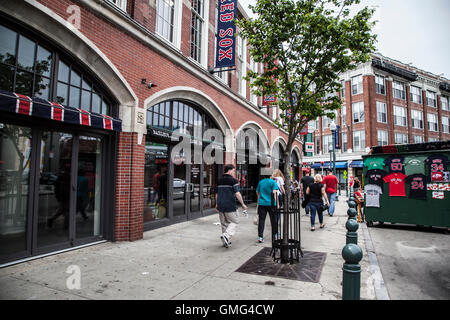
[(408, 184)]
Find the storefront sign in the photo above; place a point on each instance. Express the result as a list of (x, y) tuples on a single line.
[(226, 29), (159, 133), (309, 146)]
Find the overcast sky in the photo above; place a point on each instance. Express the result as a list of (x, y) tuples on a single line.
[(410, 31)]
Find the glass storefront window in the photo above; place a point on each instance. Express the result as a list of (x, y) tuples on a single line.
[(15, 156), (34, 73), (155, 181), (89, 187), (54, 188)]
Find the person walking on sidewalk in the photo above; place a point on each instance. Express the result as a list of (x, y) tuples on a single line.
[(330, 182), (227, 191), (266, 191), (279, 178), (305, 182), (316, 191)]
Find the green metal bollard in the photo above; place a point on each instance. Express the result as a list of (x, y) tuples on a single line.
[(351, 272), (351, 212), (352, 235), (352, 204)]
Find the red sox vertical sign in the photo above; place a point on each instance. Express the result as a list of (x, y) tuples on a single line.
[(226, 29)]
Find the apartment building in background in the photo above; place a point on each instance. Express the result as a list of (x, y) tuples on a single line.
[(384, 102)]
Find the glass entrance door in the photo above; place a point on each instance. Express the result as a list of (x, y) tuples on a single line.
[(15, 164), (187, 192)]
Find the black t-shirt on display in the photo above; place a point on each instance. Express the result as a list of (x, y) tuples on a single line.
[(376, 176), (418, 186), (437, 165), (395, 164)]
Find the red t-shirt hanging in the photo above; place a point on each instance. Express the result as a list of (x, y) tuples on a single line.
[(396, 184)]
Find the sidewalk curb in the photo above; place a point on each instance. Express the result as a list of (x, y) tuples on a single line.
[(381, 292)]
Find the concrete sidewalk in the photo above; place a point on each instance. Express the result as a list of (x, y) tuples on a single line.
[(187, 261)]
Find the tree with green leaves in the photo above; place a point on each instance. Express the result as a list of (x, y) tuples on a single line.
[(304, 46)]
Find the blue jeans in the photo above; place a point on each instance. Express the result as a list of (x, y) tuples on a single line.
[(332, 200), (312, 207)]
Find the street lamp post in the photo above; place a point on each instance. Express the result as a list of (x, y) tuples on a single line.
[(333, 139)]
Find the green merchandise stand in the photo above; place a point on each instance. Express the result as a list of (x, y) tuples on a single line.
[(432, 211)]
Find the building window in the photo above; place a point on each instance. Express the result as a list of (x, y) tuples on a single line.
[(326, 142), (343, 89), (382, 137), (432, 122), (36, 69), (165, 10), (359, 140), (344, 116), (400, 116), (311, 125), (122, 4), (254, 68), (430, 139), (241, 65), (325, 122), (398, 90), (445, 124), (317, 145), (358, 112), (381, 112), (417, 119), (196, 29), (344, 142), (357, 85), (444, 103), (401, 138), (416, 95), (380, 85), (431, 99), (418, 139)]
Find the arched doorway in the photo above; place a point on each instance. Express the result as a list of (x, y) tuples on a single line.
[(178, 183), (251, 156), (278, 150)]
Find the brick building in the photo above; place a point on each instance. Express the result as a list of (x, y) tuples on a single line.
[(140, 69), (384, 102)]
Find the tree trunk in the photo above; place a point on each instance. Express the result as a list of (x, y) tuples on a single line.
[(287, 188)]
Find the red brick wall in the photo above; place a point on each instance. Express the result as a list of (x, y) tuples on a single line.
[(135, 61)]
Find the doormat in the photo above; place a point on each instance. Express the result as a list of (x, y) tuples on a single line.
[(308, 269)]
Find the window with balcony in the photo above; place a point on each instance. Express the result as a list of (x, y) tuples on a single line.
[(381, 112), (382, 137), (398, 90), (417, 119), (416, 94), (359, 140), (357, 85), (400, 138), (400, 116), (432, 122), (431, 99), (380, 84), (358, 112)]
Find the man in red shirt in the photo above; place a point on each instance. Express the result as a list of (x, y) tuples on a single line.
[(330, 182)]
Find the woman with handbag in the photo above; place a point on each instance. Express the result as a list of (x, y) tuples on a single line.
[(316, 191)]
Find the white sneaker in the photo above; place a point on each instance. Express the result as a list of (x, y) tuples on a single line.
[(225, 240)]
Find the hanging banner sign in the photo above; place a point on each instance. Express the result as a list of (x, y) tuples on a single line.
[(304, 131), (309, 146), (337, 141), (226, 29)]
